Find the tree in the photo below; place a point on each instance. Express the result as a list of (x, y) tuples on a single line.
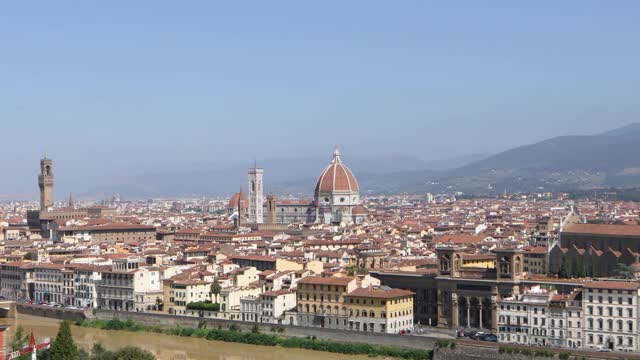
[(564, 268), (98, 352), (624, 271), (63, 347), (19, 340), (133, 353), (582, 271), (574, 267), (355, 270), (215, 289)]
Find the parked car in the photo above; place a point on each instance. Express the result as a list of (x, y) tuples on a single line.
[(603, 349), (490, 337)]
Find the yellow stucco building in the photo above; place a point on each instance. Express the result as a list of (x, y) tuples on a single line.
[(349, 304)]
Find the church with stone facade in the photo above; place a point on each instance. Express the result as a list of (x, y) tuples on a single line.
[(336, 200)]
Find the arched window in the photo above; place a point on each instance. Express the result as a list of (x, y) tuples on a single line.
[(372, 314), (505, 265), (445, 263), (517, 265), (456, 262)]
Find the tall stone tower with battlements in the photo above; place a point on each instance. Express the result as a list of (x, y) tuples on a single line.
[(256, 196), (45, 181)]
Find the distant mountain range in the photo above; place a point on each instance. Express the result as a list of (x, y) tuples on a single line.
[(563, 163), (559, 163)]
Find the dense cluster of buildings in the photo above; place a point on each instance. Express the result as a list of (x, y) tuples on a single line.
[(534, 269)]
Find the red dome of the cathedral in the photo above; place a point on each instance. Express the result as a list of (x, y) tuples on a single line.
[(233, 202), (336, 177)]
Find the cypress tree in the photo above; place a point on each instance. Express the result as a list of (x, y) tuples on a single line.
[(574, 268), (63, 347), (564, 268)]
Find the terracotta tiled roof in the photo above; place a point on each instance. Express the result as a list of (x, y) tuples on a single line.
[(614, 285), (380, 293), (603, 229), (337, 177), (319, 280), (459, 239)]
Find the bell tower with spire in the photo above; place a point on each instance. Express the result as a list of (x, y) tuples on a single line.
[(45, 182)]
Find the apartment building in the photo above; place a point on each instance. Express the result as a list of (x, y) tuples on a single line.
[(16, 280), (274, 304), (322, 301), (48, 282), (611, 315), (179, 293), (115, 290), (86, 280), (380, 309), (68, 287), (574, 320), (109, 233), (147, 289), (557, 321), (522, 318), (357, 304)]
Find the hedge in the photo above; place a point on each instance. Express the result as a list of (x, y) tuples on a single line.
[(256, 338), (203, 305)]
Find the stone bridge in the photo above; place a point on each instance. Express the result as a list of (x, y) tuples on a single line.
[(8, 309)]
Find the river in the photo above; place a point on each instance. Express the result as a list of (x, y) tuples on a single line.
[(167, 347)]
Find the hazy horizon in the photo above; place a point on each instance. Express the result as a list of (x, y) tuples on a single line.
[(120, 89)]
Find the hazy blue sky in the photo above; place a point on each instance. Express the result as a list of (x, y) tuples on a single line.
[(150, 84)]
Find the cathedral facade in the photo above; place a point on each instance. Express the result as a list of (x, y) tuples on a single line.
[(336, 200)]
